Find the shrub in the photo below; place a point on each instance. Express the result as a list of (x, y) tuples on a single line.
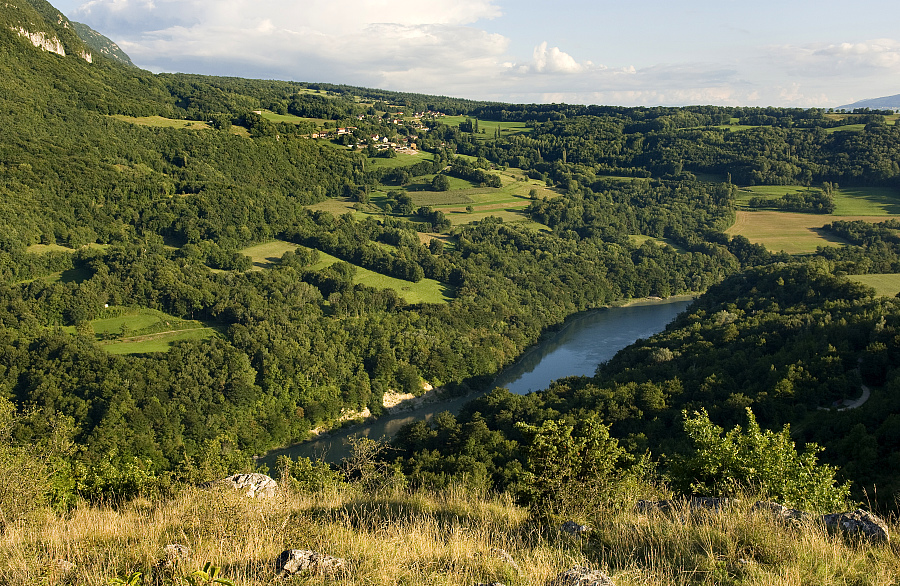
[(756, 460), (568, 468)]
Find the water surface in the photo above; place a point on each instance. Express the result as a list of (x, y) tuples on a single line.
[(584, 342)]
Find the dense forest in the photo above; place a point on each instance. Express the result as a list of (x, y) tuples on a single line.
[(156, 216)]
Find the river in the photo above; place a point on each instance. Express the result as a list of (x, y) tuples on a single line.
[(586, 341)]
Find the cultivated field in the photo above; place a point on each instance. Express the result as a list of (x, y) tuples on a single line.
[(797, 233), (784, 231), (887, 285)]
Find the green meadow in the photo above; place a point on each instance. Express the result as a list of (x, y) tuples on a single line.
[(887, 285), (160, 122), (848, 201), (129, 330), (268, 254), (290, 118), (425, 291), (401, 160), (490, 126), (639, 239)]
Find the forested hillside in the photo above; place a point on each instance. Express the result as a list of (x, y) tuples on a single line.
[(122, 191)]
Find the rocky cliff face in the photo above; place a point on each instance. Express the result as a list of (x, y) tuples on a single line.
[(45, 27)]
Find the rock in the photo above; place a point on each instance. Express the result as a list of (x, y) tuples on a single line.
[(708, 503), (782, 513), (574, 528), (256, 485), (579, 576), (504, 555), (697, 503), (858, 523), (295, 561), (643, 506), (63, 566), (177, 556)]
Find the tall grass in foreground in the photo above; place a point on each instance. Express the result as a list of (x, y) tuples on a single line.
[(397, 537)]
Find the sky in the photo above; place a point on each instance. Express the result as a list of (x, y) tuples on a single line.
[(656, 52)]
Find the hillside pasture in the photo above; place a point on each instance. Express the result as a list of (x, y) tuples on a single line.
[(290, 118), (160, 122), (848, 201), (886, 285), (139, 330), (490, 126), (790, 232), (403, 159), (266, 256)]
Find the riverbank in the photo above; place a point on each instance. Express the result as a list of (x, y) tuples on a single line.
[(582, 342)]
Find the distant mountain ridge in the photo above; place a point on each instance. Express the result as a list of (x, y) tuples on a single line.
[(101, 44), (885, 103)]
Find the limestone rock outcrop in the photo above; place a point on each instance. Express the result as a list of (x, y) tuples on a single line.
[(295, 561), (254, 485), (580, 576), (858, 523)]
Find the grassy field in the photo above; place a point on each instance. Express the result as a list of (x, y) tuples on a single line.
[(489, 126), (846, 128), (848, 201), (401, 160), (425, 291), (507, 202), (267, 255), (290, 118), (160, 122), (129, 330), (639, 239), (797, 233), (790, 232), (866, 201), (887, 285)]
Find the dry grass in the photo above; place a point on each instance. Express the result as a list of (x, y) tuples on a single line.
[(454, 538)]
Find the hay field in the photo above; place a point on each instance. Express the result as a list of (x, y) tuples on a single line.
[(887, 285)]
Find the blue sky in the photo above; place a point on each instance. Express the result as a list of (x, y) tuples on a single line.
[(806, 54)]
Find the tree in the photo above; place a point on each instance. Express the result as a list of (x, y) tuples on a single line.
[(756, 460), (568, 468), (440, 183)]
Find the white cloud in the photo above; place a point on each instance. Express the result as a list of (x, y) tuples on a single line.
[(552, 60), (446, 47), (877, 56)]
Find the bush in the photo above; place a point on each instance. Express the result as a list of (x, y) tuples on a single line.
[(756, 460), (568, 468)]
